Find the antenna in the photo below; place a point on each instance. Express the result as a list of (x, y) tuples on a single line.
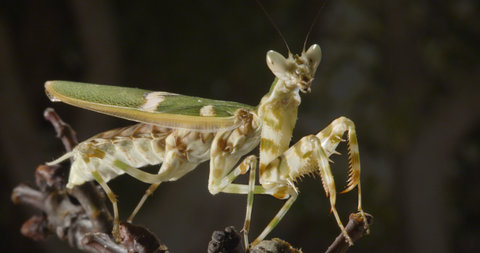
[(313, 24), (274, 25)]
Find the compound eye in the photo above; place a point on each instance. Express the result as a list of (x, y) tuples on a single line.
[(277, 64), (314, 56)]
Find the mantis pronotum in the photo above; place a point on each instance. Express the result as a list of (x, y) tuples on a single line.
[(179, 132)]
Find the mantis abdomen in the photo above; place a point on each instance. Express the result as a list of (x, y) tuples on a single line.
[(113, 152)]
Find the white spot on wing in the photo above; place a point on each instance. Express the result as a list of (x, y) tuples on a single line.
[(153, 99), (207, 111)]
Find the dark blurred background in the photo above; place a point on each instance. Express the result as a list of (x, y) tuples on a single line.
[(406, 72)]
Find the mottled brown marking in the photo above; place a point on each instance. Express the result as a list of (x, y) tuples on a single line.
[(243, 168), (97, 153), (134, 131), (246, 117), (85, 158), (206, 137), (327, 131), (189, 133), (298, 150), (246, 226), (224, 145), (265, 170), (138, 131), (281, 193), (228, 148), (218, 173), (111, 196), (181, 147), (160, 144), (221, 143), (269, 145), (269, 121), (262, 170), (352, 139), (108, 134), (298, 60), (127, 131), (156, 131), (243, 115), (283, 167)]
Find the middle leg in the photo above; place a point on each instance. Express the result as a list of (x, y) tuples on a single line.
[(150, 190)]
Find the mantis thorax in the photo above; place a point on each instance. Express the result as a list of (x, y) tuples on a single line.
[(278, 108)]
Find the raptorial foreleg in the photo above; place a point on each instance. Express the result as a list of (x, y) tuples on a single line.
[(305, 157), (330, 137)]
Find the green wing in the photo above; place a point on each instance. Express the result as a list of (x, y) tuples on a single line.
[(152, 107)]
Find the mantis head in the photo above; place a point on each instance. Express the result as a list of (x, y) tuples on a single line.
[(297, 71)]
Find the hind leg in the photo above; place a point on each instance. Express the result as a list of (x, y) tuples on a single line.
[(171, 169), (151, 189)]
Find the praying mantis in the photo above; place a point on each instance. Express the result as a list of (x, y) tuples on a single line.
[(180, 132)]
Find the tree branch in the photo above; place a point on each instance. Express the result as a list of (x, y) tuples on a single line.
[(228, 241), (356, 229)]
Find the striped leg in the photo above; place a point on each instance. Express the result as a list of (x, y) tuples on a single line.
[(292, 192), (330, 138), (225, 185), (248, 212), (217, 183), (113, 200)]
